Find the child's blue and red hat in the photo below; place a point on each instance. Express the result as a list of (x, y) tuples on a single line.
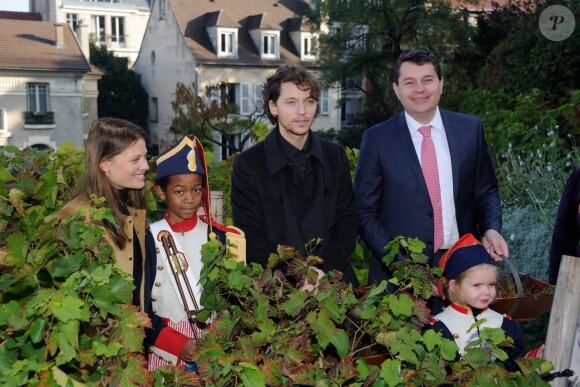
[(186, 156), (466, 253)]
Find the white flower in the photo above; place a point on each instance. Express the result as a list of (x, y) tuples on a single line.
[(569, 135), (552, 144), (549, 168), (512, 237), (569, 155), (556, 126), (550, 133), (568, 163)]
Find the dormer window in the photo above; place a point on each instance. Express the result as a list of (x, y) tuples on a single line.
[(227, 43), (308, 50), (270, 46)]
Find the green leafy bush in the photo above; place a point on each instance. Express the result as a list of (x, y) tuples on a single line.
[(266, 332), (65, 313)]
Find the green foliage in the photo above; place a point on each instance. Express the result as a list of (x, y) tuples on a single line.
[(266, 332), (370, 35), (522, 59), (214, 113), (65, 306), (121, 94)]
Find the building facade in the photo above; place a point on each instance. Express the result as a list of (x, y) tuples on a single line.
[(48, 91), (118, 25), (240, 43)]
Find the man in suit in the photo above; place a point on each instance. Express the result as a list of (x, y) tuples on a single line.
[(293, 187), (391, 192)]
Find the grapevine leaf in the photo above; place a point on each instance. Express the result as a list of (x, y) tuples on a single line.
[(295, 303), (391, 372), (67, 308), (401, 305), (134, 373), (5, 175), (251, 375), (65, 338), (36, 330), (130, 328)]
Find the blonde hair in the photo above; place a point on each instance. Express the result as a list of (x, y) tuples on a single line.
[(107, 138), (452, 296)]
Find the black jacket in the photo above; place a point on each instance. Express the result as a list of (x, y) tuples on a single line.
[(265, 205)]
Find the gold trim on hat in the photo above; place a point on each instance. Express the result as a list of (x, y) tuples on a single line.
[(186, 141)]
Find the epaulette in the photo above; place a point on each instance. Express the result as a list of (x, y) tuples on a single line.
[(507, 316), (433, 320)]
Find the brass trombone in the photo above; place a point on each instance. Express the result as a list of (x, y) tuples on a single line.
[(178, 267)]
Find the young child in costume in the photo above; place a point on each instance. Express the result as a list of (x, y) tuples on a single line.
[(471, 276), (181, 181)]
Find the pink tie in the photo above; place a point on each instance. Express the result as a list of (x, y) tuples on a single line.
[(431, 174)]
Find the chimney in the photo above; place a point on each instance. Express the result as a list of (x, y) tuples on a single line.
[(59, 41), (83, 38)]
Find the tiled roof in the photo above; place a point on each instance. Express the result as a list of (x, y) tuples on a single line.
[(35, 16), (30, 45), (485, 5), (194, 16)]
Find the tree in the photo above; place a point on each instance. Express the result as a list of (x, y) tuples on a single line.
[(521, 58), (367, 36), (212, 117), (121, 93)]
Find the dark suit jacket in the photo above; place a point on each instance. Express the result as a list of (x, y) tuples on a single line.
[(391, 194), (566, 235), (262, 182)]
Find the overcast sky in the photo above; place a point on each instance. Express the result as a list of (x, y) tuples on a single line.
[(14, 5)]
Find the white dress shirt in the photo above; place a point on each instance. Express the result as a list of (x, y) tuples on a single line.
[(450, 231)]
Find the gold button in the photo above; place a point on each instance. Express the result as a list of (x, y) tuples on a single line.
[(157, 250), (130, 258), (157, 284), (159, 267), (130, 221)]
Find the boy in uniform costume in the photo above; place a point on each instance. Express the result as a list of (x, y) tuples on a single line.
[(182, 181)]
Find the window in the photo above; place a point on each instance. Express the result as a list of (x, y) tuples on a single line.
[(3, 119), (245, 108), (162, 8), (307, 46), (308, 50), (99, 29), (324, 103), (72, 20), (227, 43), (269, 47), (118, 31), (224, 93), (37, 97), (154, 109), (251, 98), (232, 139), (258, 104)]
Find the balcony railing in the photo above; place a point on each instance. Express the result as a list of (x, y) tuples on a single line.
[(39, 118)]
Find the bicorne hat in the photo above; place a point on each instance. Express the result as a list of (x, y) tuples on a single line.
[(466, 253)]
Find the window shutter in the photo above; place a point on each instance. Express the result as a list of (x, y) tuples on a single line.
[(245, 108), (258, 104)]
